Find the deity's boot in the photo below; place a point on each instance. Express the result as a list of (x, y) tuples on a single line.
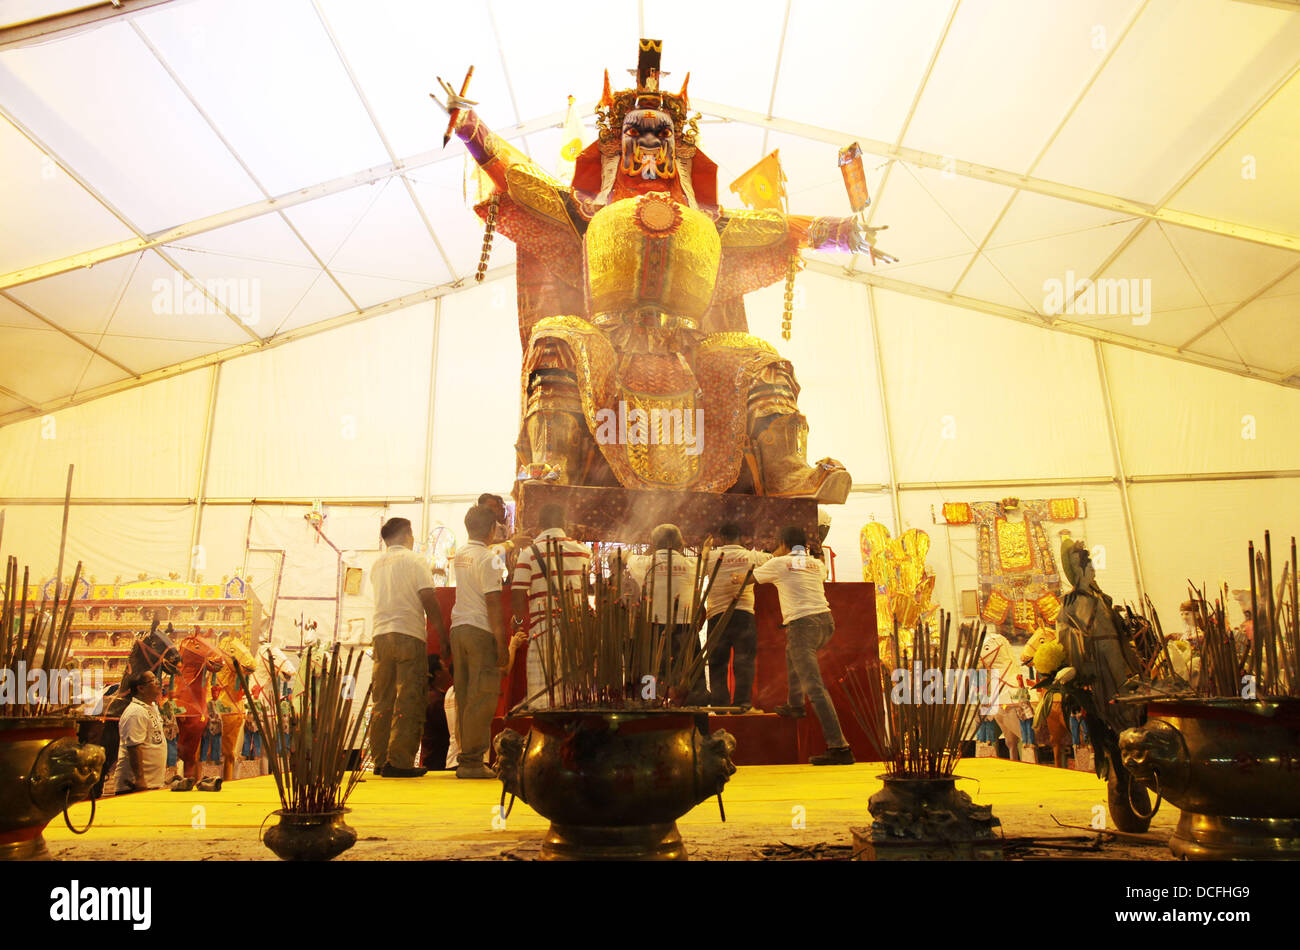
[(781, 445), (555, 443)]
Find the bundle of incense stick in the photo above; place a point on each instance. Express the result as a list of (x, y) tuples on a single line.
[(1268, 666), (38, 644), (311, 769), (919, 730), (1148, 639), (605, 649), (1221, 666)]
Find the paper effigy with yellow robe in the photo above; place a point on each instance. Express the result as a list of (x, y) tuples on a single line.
[(638, 367)]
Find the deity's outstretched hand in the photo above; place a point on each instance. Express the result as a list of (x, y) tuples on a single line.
[(455, 101), (864, 242)]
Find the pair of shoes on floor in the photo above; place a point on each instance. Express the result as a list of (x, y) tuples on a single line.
[(474, 771), (181, 783), (743, 709), (791, 712), (210, 784), (839, 755), (397, 771)]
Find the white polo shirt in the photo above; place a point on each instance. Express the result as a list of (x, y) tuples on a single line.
[(572, 561), (477, 575), (141, 725), (736, 562), (397, 577), (800, 581), (683, 579)]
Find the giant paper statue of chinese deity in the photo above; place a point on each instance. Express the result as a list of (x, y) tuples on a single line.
[(638, 367)]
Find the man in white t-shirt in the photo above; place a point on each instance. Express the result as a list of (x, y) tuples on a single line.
[(404, 596), (142, 749), (553, 563), (800, 581), (671, 574), (738, 643), (479, 644)]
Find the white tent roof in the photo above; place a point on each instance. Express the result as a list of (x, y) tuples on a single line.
[(292, 145)]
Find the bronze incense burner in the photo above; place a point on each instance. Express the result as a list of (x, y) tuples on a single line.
[(614, 782), (43, 770), (1232, 766)]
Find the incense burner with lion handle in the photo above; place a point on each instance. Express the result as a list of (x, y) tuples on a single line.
[(613, 783), (43, 770), (1232, 766)]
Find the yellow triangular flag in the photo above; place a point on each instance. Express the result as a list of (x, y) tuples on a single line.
[(763, 186), (570, 144)]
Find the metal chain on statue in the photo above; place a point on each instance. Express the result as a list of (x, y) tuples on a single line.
[(788, 315), (494, 205)]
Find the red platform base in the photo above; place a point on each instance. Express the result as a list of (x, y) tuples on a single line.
[(768, 739)]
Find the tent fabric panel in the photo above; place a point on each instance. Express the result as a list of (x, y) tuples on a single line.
[(1151, 115), (327, 414), (973, 397), (111, 541), (1175, 418), (141, 443), (1198, 531), (476, 403), (176, 168)]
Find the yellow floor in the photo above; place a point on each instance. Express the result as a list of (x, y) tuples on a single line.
[(439, 816)]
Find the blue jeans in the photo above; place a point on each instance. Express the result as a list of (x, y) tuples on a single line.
[(1027, 731), (803, 638), (252, 744), (172, 754), (1078, 730), (741, 640), (210, 747)]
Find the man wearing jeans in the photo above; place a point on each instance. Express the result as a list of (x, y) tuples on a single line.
[(800, 581), (738, 644), (403, 589), (479, 648)]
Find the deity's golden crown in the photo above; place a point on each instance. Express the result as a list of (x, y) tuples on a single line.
[(614, 106)]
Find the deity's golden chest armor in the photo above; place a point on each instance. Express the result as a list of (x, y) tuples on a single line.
[(651, 252)]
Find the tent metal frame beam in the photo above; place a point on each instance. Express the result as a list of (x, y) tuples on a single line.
[(367, 176), (1182, 183), (999, 176), (907, 120), (68, 333), (1051, 140), (383, 138), (1117, 454), (986, 483), (243, 349), (239, 159), (1038, 320), (18, 397), (125, 221), (93, 14)]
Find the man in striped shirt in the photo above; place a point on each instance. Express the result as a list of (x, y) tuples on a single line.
[(565, 562), (738, 643)]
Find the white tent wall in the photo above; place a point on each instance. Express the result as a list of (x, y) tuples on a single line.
[(110, 540), (141, 443), (1197, 532), (338, 414), (476, 399)]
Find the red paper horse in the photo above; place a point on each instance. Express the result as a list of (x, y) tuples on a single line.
[(198, 659)]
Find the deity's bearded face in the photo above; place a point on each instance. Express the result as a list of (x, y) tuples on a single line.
[(648, 145)]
